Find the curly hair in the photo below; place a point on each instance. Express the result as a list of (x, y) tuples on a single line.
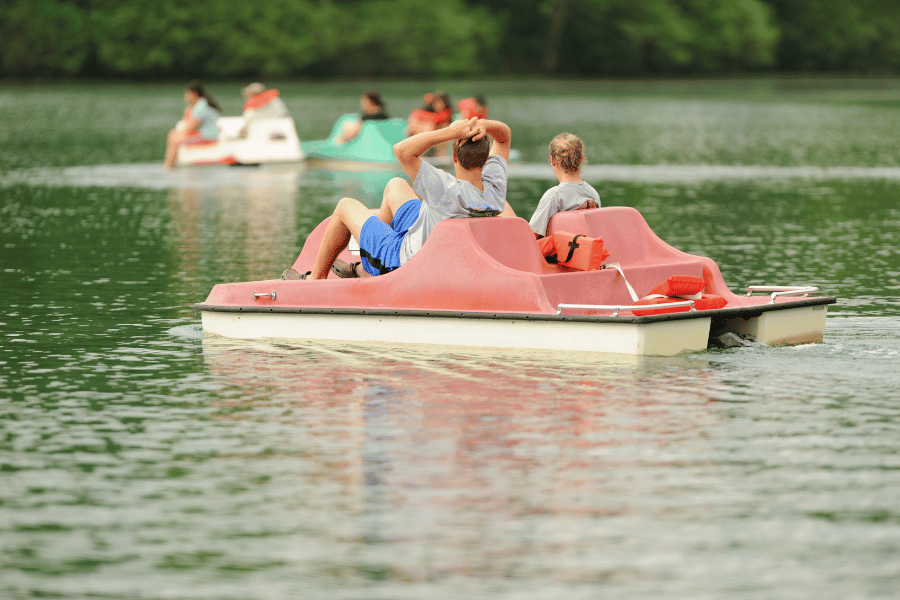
[(567, 151)]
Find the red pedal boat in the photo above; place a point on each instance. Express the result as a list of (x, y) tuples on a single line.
[(484, 282)]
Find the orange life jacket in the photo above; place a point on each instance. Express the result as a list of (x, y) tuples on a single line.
[(260, 99), (437, 118), (678, 288), (469, 108), (575, 251)]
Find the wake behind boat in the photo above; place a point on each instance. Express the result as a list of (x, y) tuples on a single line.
[(484, 282)]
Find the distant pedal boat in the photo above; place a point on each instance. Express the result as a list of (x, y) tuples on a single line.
[(373, 146), (246, 142), (484, 282)]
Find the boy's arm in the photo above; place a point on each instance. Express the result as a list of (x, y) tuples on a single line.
[(409, 150), (501, 134)]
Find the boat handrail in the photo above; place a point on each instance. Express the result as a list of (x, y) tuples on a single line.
[(782, 290), (617, 307), (257, 295)]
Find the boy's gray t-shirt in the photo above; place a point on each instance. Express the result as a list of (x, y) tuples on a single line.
[(446, 197), (565, 196)]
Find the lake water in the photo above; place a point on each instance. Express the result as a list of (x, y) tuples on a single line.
[(139, 459)]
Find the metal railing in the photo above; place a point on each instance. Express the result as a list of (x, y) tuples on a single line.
[(782, 290), (615, 308)]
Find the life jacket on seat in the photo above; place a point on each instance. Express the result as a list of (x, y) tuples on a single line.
[(575, 251), (678, 288)]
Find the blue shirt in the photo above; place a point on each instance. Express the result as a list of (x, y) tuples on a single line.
[(207, 116)]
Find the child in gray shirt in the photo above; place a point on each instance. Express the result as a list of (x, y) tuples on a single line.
[(572, 193)]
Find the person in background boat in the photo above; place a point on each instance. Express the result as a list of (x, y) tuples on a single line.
[(197, 124), (409, 213), (473, 107), (373, 109), (262, 103), (572, 193), (435, 113)]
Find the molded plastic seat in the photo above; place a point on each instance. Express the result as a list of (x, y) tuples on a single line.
[(646, 259), (624, 231)]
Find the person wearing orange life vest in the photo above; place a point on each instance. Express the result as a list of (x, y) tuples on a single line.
[(572, 193), (473, 107), (262, 103), (435, 113)]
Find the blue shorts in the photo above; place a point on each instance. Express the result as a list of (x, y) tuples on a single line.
[(379, 243)]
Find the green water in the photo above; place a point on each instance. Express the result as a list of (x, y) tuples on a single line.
[(140, 460)]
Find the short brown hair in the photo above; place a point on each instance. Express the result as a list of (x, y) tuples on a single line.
[(472, 155), (567, 151)]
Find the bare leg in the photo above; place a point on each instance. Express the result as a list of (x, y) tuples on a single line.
[(173, 140), (397, 192), (347, 219)]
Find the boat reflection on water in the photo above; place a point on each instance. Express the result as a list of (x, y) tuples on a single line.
[(247, 228), (467, 461), (366, 185), (253, 229)]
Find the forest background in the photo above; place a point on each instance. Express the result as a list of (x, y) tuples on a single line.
[(155, 39)]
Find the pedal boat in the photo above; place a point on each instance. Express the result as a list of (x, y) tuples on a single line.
[(246, 142), (372, 147), (484, 282)]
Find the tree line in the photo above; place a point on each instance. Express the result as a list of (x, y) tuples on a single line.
[(322, 38)]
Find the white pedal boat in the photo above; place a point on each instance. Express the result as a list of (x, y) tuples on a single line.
[(484, 282), (246, 142)]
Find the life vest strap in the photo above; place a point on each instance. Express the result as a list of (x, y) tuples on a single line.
[(618, 267)]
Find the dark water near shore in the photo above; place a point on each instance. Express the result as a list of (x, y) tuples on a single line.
[(140, 460)]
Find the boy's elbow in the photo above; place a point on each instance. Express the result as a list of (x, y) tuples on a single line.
[(401, 151)]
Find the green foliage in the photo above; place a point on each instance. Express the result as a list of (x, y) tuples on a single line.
[(632, 37), (42, 36), (822, 35), (410, 37), (237, 38), (278, 38)]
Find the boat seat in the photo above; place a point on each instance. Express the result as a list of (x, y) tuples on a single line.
[(507, 240), (625, 234), (230, 128), (646, 259)]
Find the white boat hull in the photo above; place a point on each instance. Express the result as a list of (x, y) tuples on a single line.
[(660, 338), (247, 142), (642, 337), (802, 325)]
